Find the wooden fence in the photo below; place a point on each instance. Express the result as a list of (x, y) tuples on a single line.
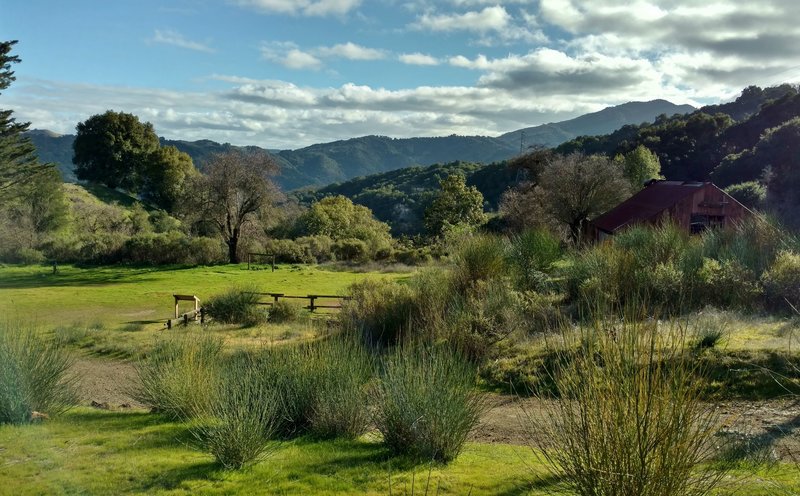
[(186, 317), (315, 302), (326, 300)]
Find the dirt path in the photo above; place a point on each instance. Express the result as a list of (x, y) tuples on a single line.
[(105, 382), (773, 425)]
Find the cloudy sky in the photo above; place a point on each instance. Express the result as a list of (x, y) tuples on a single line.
[(289, 73)]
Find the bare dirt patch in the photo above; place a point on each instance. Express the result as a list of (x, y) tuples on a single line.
[(105, 383)]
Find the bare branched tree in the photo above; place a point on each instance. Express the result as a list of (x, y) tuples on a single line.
[(235, 191)]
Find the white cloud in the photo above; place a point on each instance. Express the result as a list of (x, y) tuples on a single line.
[(169, 37), (418, 59), (489, 19), (301, 7), (351, 51), (289, 55)]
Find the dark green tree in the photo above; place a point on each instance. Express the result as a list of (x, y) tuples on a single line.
[(18, 161), (165, 175), (455, 204), (114, 149)]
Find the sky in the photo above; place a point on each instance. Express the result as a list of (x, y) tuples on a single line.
[(283, 74)]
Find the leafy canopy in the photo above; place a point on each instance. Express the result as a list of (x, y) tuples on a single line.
[(455, 204)]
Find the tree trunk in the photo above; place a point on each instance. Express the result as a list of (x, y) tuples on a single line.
[(233, 256)]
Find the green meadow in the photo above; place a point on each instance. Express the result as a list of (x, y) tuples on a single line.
[(110, 315)]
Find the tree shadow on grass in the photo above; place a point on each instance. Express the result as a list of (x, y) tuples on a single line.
[(147, 430), (173, 477)]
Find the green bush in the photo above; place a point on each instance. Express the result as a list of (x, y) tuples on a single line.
[(322, 387), (285, 311), (479, 258), (241, 418), (34, 375), (236, 306), (782, 282), (634, 421), (340, 408), (426, 403), (490, 312), (532, 254), (351, 250), (380, 311), (179, 377), (727, 284)]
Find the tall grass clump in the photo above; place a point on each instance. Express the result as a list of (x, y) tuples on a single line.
[(34, 375), (630, 419), (782, 282), (344, 370), (179, 377), (426, 403), (322, 385), (283, 311), (236, 306), (478, 258), (241, 419), (380, 311), (532, 255)]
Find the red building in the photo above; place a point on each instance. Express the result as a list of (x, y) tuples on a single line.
[(694, 206)]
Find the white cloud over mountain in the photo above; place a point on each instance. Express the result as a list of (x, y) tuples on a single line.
[(523, 62)]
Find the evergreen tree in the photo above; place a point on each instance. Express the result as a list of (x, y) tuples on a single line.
[(18, 161)]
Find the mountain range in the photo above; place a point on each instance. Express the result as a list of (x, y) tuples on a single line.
[(321, 164)]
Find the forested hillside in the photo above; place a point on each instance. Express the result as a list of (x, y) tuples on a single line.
[(321, 164), (750, 144)]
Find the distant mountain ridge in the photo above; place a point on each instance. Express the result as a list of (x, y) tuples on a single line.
[(595, 123), (325, 163)]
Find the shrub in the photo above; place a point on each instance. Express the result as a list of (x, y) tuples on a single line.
[(321, 386), (205, 251), (285, 311), (490, 312), (351, 250), (344, 369), (318, 247), (380, 311), (426, 403), (236, 306), (727, 284), (34, 375), (179, 377), (631, 420), (782, 282), (479, 258), (237, 425), (532, 255), (709, 328)]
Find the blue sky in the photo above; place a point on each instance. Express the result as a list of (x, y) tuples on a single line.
[(289, 73)]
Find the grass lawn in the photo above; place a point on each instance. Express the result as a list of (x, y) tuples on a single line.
[(92, 305), (90, 451)]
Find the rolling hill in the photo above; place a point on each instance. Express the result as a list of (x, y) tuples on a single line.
[(321, 164)]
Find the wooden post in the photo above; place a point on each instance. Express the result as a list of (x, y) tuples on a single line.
[(196, 307), (176, 306), (311, 305), (273, 263), (202, 315), (248, 261), (169, 324)]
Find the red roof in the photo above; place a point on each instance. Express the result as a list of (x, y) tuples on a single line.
[(647, 203)]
